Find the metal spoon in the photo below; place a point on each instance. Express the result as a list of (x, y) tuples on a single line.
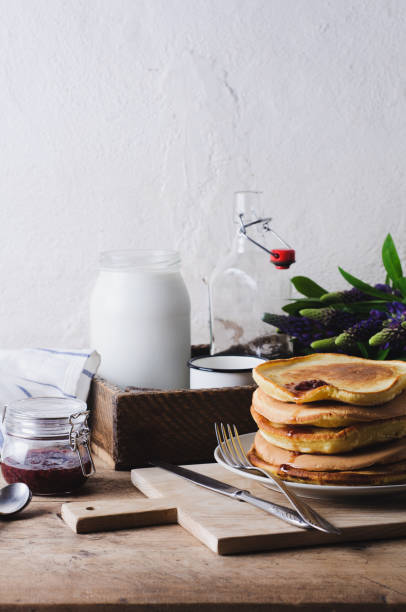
[(14, 498)]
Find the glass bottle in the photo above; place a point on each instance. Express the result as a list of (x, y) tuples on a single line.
[(245, 284)]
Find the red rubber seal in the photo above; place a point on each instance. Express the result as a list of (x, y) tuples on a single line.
[(283, 258)]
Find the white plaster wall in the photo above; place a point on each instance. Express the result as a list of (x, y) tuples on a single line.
[(130, 123)]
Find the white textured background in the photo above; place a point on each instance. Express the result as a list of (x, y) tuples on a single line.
[(130, 123)]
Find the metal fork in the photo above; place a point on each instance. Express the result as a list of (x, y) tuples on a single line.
[(233, 454)]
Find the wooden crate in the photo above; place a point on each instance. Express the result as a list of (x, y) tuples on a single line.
[(136, 425)]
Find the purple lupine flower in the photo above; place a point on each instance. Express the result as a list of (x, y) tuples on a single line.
[(332, 319), (350, 296), (362, 330), (302, 329), (396, 308), (392, 336), (387, 289), (342, 320), (347, 297), (354, 295)]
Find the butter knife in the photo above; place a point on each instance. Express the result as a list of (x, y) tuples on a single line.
[(282, 512)]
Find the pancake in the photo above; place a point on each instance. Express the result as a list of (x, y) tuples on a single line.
[(391, 474), (391, 452), (378, 466), (324, 414), (323, 376), (330, 441)]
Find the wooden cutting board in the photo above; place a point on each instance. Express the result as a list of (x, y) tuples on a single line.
[(227, 526)]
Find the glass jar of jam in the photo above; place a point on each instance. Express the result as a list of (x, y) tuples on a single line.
[(46, 444)]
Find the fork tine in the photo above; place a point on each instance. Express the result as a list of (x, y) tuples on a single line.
[(236, 453), (220, 443), (237, 437), (220, 440), (220, 446), (237, 445), (226, 442)]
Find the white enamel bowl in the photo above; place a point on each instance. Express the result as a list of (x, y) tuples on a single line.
[(213, 371)]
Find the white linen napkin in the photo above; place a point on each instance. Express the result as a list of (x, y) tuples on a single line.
[(47, 372)]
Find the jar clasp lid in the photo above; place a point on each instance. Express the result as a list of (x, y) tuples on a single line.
[(81, 437)]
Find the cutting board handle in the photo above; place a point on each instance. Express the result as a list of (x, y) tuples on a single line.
[(89, 516)]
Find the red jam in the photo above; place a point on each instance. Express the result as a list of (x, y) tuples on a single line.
[(47, 471), (284, 469), (305, 385)]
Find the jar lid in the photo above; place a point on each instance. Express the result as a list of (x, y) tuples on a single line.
[(44, 417)]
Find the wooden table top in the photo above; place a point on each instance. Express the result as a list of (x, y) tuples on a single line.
[(45, 566)]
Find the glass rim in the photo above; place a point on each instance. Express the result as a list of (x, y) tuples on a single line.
[(138, 259), (254, 191)]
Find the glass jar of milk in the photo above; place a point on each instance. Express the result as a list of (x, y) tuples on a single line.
[(140, 319)]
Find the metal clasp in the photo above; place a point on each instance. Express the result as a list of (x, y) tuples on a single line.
[(265, 226), (281, 258), (3, 416), (80, 437)]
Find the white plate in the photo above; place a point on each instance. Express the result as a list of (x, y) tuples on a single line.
[(310, 490)]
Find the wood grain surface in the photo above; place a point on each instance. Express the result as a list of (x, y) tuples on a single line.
[(45, 566), (227, 526)]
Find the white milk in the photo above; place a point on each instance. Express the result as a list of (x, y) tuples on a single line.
[(140, 320)]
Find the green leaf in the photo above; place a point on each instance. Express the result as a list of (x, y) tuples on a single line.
[(363, 350), (382, 354), (307, 287), (391, 260), (392, 265), (359, 284), (401, 285), (387, 280), (365, 307), (294, 307)]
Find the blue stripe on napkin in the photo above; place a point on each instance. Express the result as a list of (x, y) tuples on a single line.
[(27, 393), (37, 382), (55, 352)]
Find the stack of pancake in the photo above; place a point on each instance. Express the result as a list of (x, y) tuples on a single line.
[(331, 419)]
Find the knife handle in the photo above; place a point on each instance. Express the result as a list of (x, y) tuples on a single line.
[(281, 512)]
